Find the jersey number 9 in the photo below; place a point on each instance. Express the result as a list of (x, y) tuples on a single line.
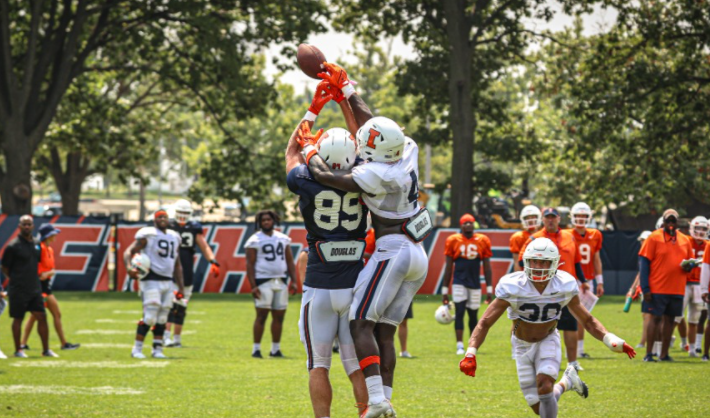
[(329, 204)]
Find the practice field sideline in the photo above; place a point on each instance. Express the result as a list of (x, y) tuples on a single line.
[(214, 375)]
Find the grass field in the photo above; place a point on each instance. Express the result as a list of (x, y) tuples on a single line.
[(214, 374)]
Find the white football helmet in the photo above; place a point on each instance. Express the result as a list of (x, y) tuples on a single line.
[(183, 211), (541, 249), (582, 211), (380, 140), (644, 236), (659, 223), (443, 314), (531, 223), (337, 148), (141, 262), (699, 227)]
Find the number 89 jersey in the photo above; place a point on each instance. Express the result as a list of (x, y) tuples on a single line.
[(162, 248), (528, 304)]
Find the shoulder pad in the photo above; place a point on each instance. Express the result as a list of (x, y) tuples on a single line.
[(145, 232)]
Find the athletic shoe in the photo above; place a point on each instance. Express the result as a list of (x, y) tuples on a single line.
[(278, 353), (693, 354), (666, 358), (405, 354), (24, 347), (137, 354), (174, 345), (336, 348), (460, 352), (257, 354), (20, 354), (639, 345), (49, 353), (576, 366), (672, 341), (70, 346), (706, 358), (2, 355), (585, 355), (380, 410), (167, 341), (649, 358), (699, 351), (159, 354), (575, 382)]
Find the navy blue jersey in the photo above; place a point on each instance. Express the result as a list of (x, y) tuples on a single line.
[(329, 215), (188, 247)]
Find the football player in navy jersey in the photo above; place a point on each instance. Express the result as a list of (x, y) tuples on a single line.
[(191, 234), (336, 222)]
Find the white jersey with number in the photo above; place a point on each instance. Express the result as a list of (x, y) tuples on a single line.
[(391, 189), (270, 254), (162, 248), (528, 304)]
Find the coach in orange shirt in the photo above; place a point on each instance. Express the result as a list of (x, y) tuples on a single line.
[(663, 279), (570, 262)]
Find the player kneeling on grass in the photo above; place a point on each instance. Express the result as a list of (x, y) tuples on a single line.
[(534, 299)]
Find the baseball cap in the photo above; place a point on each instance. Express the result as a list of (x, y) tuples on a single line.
[(467, 218), (670, 212), (550, 211)]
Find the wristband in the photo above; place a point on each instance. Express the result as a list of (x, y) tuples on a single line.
[(310, 116), (348, 90), (308, 152), (471, 350), (445, 290), (613, 342), (599, 278)]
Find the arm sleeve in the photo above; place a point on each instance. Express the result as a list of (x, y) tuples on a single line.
[(645, 270), (579, 272), (367, 178)]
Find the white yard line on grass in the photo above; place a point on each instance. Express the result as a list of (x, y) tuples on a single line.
[(138, 312), (90, 364), (105, 345), (120, 331), (133, 321), (67, 390)]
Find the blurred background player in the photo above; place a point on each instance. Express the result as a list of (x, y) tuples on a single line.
[(336, 222), (47, 234), (533, 299), (191, 235), (589, 245), (269, 264), (663, 280), (704, 284), (464, 252), (570, 262), (634, 293), (693, 301), (388, 183), (161, 245), (531, 219)]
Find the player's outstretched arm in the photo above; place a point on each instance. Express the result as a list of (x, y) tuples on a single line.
[(208, 254), (251, 272), (488, 276), (597, 330), (468, 364), (321, 96), (338, 78)]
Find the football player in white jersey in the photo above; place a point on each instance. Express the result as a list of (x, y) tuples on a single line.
[(388, 183), (269, 258), (162, 247), (534, 299)]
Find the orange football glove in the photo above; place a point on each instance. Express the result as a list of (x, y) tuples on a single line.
[(308, 141), (468, 365), (337, 94), (629, 351), (214, 268), (338, 78), (321, 97)]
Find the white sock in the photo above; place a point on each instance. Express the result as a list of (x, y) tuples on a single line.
[(580, 347), (691, 347), (375, 389), (138, 346), (657, 348), (684, 341), (166, 335), (388, 392), (158, 348), (548, 406), (275, 347), (559, 388), (459, 345), (698, 340), (157, 342), (176, 338), (257, 347)]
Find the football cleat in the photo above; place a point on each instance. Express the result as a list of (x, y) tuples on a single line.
[(20, 354), (380, 410), (257, 354), (174, 345), (460, 352), (70, 346), (167, 341), (692, 353), (640, 345), (2, 355), (49, 353), (405, 354), (666, 358), (575, 382), (576, 366), (278, 353), (159, 354), (24, 347), (649, 358), (698, 350), (137, 354), (585, 355), (706, 358)]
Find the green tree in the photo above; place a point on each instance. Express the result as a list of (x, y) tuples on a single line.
[(201, 46)]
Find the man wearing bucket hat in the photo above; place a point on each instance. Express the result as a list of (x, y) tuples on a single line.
[(663, 279), (46, 271), (464, 253)]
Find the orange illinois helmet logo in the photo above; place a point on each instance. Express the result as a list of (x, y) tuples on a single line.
[(371, 141), (335, 166)]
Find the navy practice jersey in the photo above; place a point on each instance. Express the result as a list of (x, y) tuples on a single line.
[(329, 215), (188, 246)]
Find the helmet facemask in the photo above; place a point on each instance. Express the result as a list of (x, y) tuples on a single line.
[(540, 260), (699, 227)]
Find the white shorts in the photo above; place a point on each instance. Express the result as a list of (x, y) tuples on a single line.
[(531, 359), (386, 286), (693, 301), (157, 292), (324, 316), (461, 293), (274, 295)]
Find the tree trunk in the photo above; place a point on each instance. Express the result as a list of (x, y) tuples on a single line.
[(16, 180), (461, 117), (141, 198), (69, 180)]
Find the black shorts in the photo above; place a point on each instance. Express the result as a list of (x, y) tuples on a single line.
[(670, 305), (46, 288), (409, 314), (21, 304), (567, 321)]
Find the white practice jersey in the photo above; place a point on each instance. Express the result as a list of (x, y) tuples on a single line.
[(162, 248), (391, 189), (530, 305), (270, 254)]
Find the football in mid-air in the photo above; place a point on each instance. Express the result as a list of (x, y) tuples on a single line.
[(310, 59)]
